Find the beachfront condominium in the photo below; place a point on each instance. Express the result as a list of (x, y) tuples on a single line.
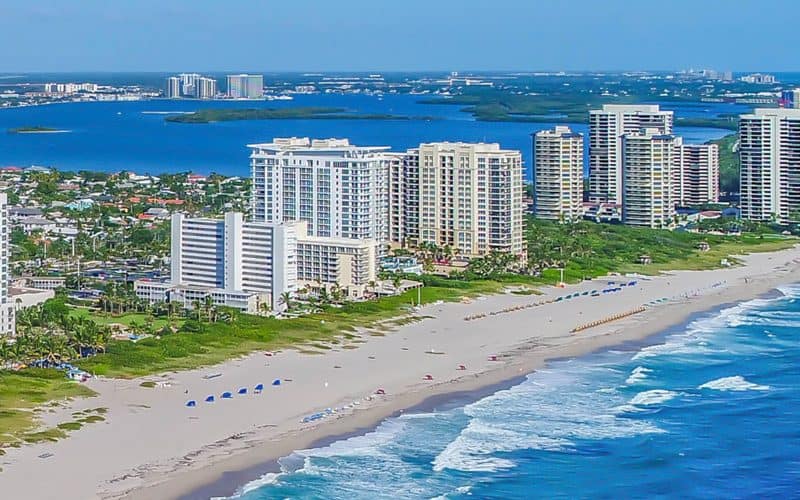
[(606, 128), (205, 88), (769, 154), (339, 189), (404, 199), (558, 174), (173, 89), (464, 196), (188, 82), (251, 266), (695, 177), (245, 86), (648, 157), (7, 316)]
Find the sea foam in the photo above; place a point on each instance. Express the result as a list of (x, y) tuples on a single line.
[(735, 383)]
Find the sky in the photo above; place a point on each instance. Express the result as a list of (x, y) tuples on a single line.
[(397, 35)]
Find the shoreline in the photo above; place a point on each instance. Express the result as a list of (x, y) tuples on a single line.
[(227, 477), (152, 446)]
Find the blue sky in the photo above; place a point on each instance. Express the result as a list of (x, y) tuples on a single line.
[(383, 35)]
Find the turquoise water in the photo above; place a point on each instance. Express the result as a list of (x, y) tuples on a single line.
[(113, 136), (710, 412)]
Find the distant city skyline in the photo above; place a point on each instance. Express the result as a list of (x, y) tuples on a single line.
[(415, 35)]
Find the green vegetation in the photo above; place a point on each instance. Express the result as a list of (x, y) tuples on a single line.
[(568, 107), (33, 130), (587, 250), (24, 391), (316, 113), (728, 164)]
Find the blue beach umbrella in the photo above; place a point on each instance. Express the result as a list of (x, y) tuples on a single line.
[(277, 381), (227, 395), (243, 390), (259, 388), (191, 404), (210, 399)]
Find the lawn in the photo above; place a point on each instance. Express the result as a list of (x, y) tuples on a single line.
[(124, 319)]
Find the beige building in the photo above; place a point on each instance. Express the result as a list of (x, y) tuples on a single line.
[(769, 153), (558, 174), (695, 178), (606, 128), (464, 196), (647, 162)]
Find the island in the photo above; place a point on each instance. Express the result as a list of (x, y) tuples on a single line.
[(36, 130), (312, 112)]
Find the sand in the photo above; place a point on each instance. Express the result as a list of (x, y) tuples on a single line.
[(153, 446)]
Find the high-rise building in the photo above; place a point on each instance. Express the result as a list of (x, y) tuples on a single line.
[(188, 82), (7, 316), (769, 154), (339, 189), (205, 88), (245, 86), (695, 178), (790, 98), (648, 157), (606, 128), (557, 174), (467, 197), (173, 87), (404, 199)]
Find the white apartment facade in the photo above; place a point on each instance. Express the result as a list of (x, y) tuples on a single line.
[(340, 190), (606, 128), (404, 199), (173, 89), (7, 316), (695, 179), (769, 154), (648, 158), (245, 86), (205, 88), (469, 198), (558, 174)]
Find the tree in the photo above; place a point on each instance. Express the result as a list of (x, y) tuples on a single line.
[(286, 300)]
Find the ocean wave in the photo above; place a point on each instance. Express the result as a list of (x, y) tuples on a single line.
[(653, 397), (638, 375), (735, 383)]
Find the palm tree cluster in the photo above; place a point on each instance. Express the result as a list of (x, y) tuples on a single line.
[(48, 338)]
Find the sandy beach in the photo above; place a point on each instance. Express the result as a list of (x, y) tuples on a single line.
[(153, 446)]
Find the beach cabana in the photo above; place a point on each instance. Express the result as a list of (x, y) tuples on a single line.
[(210, 399), (259, 388), (243, 390), (461, 367), (428, 377), (277, 381), (380, 391), (191, 404), (227, 395)]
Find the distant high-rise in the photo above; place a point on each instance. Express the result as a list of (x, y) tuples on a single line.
[(465, 196), (173, 87), (245, 86), (339, 189), (648, 157), (790, 98), (188, 81), (557, 174), (695, 178), (606, 128), (769, 154), (205, 88)]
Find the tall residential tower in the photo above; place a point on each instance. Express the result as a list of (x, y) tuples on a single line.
[(557, 174), (606, 128), (648, 158)]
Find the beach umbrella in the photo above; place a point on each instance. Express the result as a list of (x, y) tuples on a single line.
[(461, 367), (259, 388), (227, 395), (243, 390), (380, 391), (428, 377), (191, 404), (210, 399), (277, 381)]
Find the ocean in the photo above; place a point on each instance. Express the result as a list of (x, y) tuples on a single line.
[(133, 136), (710, 410)]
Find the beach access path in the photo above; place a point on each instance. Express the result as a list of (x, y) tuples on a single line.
[(153, 446)]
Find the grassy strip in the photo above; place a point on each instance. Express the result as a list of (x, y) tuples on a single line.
[(21, 393), (124, 319), (308, 113)]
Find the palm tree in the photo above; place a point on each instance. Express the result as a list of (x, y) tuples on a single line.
[(286, 300)]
